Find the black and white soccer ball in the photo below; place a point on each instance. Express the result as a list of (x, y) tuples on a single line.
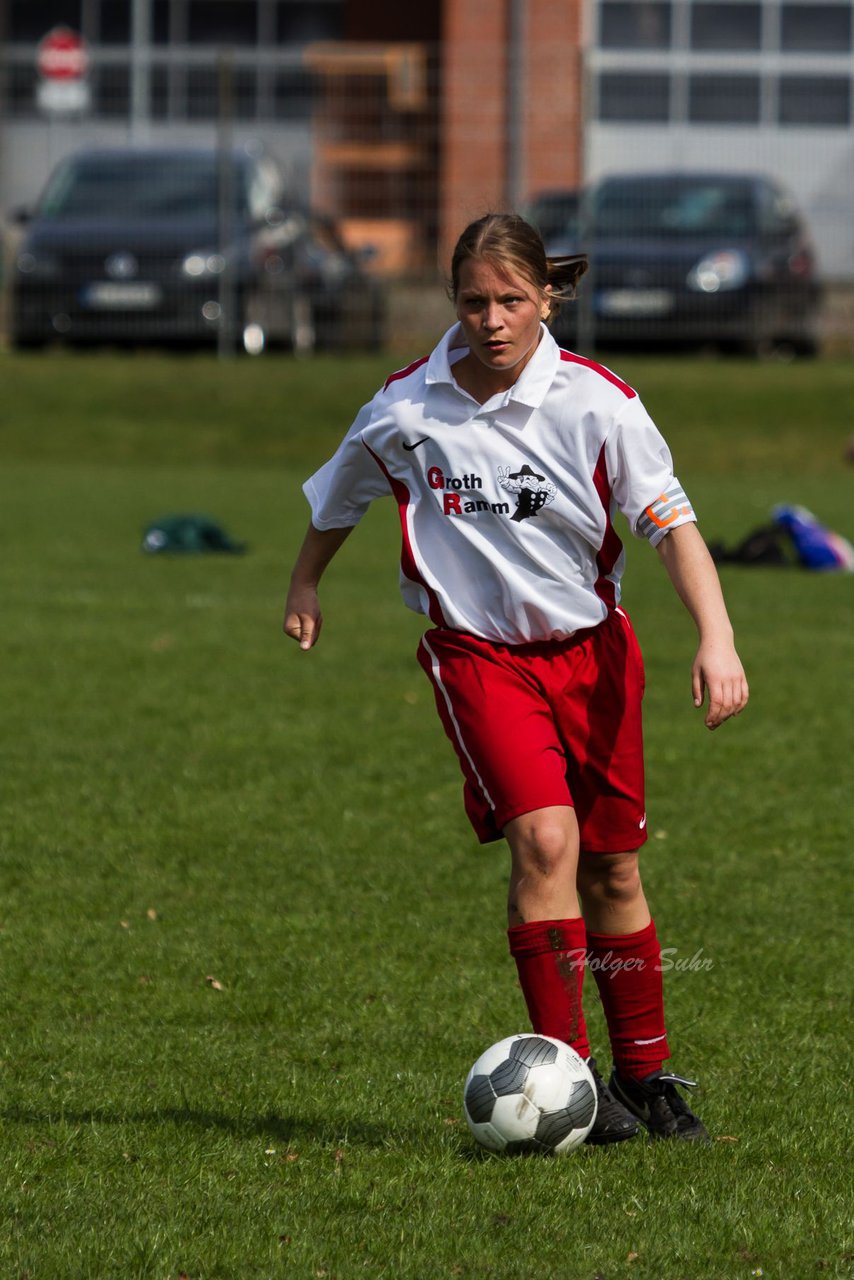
[(530, 1093)]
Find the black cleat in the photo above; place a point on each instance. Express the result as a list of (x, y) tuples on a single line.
[(613, 1122), (656, 1103)]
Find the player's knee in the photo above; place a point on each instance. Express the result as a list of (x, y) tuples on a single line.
[(613, 878), (547, 850)]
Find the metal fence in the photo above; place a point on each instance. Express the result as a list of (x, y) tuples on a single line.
[(336, 196), (270, 199)]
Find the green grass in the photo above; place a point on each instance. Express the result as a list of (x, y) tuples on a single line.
[(186, 797)]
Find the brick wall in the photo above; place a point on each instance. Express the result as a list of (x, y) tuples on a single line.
[(553, 67), (473, 111), (472, 119)]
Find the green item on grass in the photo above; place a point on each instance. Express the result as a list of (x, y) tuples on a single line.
[(188, 535)]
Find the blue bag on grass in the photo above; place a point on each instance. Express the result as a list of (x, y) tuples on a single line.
[(816, 547)]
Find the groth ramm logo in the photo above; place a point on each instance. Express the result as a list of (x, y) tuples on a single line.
[(462, 495)]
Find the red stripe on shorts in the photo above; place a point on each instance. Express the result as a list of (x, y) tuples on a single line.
[(449, 720)]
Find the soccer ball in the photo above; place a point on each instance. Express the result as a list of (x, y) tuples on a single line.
[(530, 1093)]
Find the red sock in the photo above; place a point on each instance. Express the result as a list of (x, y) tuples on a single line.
[(627, 969), (550, 956)]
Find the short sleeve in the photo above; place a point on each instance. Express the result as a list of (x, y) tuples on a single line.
[(340, 493), (640, 470)]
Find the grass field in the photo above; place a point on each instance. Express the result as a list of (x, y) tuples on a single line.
[(249, 945)]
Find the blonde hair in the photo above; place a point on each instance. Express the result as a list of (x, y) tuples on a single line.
[(507, 241)]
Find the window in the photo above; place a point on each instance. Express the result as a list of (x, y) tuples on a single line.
[(222, 22), (634, 26), (635, 97), (298, 22), (815, 28), (115, 22), (203, 93), (815, 100), (723, 99), (160, 21), (110, 92), (292, 94), (20, 92), (175, 187), (29, 20), (160, 93), (676, 207), (725, 26)]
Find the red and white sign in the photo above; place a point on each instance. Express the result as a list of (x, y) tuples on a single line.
[(62, 55), (62, 61)]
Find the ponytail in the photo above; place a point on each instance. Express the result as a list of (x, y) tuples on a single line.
[(563, 275)]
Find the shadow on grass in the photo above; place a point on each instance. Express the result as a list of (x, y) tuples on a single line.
[(282, 1128), (288, 1129), (470, 1153)]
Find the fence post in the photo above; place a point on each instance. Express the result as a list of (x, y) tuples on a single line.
[(585, 334), (515, 104), (227, 293), (140, 71)]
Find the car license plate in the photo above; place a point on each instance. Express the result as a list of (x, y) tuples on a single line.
[(135, 295), (635, 302)]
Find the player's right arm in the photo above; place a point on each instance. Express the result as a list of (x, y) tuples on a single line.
[(339, 494), (303, 618)]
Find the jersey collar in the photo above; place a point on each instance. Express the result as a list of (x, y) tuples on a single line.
[(533, 383)]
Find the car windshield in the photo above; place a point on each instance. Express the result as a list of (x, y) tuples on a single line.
[(140, 186), (671, 207)]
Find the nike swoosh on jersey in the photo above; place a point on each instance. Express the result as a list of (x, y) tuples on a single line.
[(410, 447)]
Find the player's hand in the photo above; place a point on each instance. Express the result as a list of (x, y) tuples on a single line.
[(303, 619), (718, 671)]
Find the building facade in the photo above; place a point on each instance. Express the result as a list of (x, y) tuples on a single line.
[(405, 121), (736, 84)]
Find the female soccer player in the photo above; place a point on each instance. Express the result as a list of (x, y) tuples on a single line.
[(507, 458)]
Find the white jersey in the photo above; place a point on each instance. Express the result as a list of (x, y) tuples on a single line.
[(506, 508)]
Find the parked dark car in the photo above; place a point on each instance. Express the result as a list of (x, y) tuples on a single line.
[(170, 245), (555, 214), (695, 259)]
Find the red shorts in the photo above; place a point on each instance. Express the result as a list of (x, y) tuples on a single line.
[(550, 723)]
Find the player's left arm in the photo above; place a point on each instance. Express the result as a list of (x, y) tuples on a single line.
[(717, 667)]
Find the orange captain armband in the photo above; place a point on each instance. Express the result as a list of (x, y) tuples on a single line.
[(668, 509)]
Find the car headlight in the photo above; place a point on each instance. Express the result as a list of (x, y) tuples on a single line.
[(716, 272), (38, 266), (202, 264)]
